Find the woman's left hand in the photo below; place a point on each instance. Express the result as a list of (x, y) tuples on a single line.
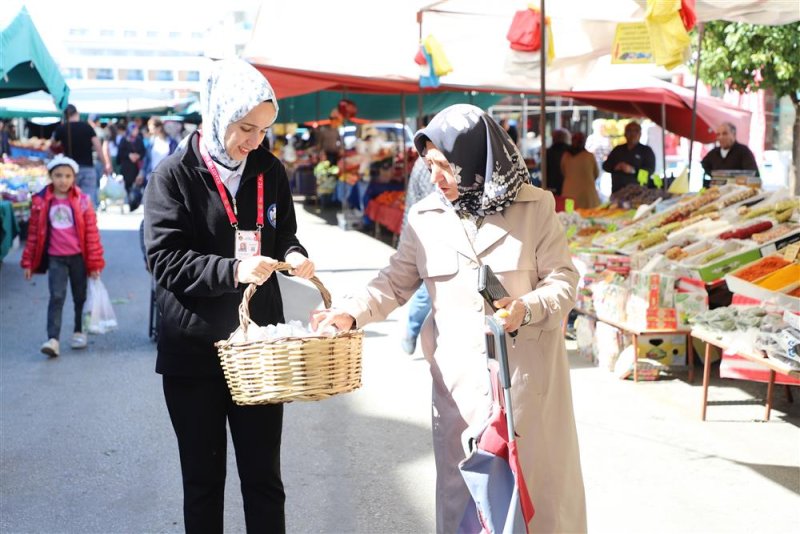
[(301, 266), (516, 313), (94, 274)]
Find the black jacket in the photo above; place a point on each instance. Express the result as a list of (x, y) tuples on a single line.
[(190, 248)]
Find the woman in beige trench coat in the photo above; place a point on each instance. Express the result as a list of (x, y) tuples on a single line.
[(485, 212)]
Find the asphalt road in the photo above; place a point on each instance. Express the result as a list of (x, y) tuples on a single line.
[(86, 444)]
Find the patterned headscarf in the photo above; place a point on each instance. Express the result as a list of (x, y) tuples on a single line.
[(234, 87), (488, 167)]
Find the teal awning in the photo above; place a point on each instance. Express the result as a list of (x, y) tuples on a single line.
[(26, 65)]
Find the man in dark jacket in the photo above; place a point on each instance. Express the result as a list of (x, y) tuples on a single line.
[(625, 161), (730, 155)]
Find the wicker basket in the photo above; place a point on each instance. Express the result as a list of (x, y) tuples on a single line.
[(293, 368)]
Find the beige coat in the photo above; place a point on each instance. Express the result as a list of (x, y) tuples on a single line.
[(526, 247), (580, 171)]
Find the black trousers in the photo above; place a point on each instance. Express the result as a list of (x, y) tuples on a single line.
[(60, 270), (199, 408)]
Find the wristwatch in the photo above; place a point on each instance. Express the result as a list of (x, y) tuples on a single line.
[(528, 314)]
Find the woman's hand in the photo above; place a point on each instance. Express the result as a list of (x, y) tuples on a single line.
[(301, 266), (255, 270), (322, 319), (27, 273), (94, 274), (515, 310)]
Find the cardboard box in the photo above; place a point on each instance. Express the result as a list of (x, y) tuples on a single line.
[(718, 269), (665, 349)]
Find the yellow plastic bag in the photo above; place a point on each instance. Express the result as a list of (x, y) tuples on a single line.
[(667, 34), (441, 65)]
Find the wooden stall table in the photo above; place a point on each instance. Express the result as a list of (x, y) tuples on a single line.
[(636, 332), (717, 339)]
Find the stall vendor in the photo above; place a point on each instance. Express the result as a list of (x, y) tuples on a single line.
[(730, 155), (625, 161)]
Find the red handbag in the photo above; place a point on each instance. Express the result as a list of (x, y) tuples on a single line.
[(525, 31)]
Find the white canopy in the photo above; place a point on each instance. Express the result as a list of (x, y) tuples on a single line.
[(379, 39)]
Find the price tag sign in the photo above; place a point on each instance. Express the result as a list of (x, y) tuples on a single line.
[(611, 228), (642, 176), (791, 252), (658, 181), (569, 205), (571, 231)]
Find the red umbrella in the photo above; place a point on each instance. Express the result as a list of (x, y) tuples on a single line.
[(652, 97), (500, 501)]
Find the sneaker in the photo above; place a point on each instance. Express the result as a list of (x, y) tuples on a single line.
[(50, 347), (78, 341), (408, 345)]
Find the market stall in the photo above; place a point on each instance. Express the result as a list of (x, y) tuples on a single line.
[(655, 274)]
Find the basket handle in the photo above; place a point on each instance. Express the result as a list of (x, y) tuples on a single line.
[(244, 307)]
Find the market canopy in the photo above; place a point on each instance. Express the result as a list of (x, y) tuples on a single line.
[(644, 97), (355, 45), (26, 65), (100, 101)]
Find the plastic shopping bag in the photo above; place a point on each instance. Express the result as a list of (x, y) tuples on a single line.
[(112, 187), (99, 316)]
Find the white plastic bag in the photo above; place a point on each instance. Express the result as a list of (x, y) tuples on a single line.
[(99, 316), (112, 187)]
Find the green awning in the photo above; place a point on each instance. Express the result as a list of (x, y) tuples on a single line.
[(26, 65), (317, 106)]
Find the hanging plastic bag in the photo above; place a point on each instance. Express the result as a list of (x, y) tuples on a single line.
[(99, 317)]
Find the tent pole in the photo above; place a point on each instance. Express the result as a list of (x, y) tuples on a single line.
[(543, 97), (403, 134), (664, 143), (419, 111), (694, 100)]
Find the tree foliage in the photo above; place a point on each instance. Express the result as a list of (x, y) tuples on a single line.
[(749, 56)]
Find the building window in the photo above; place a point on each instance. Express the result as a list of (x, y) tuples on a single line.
[(73, 73), (152, 34), (197, 35), (101, 74), (174, 35), (131, 75), (130, 34), (78, 32), (189, 76), (107, 33), (161, 75)]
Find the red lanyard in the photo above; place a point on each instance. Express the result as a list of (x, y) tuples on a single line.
[(212, 168)]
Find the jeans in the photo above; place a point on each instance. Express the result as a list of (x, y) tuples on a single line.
[(87, 181), (59, 270), (418, 308)]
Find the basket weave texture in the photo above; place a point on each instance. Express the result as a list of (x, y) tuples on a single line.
[(292, 368)]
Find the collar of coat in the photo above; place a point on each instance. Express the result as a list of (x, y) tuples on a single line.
[(494, 228), (258, 161)]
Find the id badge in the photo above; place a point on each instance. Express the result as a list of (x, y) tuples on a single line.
[(248, 244)]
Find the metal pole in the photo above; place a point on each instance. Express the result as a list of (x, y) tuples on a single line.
[(664, 143), (403, 135), (694, 100), (543, 97)]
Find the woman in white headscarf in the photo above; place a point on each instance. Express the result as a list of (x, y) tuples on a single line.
[(485, 212), (219, 216)]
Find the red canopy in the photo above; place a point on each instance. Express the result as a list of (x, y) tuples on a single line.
[(294, 82), (644, 99)]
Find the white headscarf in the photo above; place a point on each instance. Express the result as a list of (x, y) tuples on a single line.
[(234, 87)]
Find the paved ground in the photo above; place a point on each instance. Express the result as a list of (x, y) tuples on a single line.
[(86, 444)]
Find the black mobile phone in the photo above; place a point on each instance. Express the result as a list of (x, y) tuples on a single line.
[(491, 288)]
